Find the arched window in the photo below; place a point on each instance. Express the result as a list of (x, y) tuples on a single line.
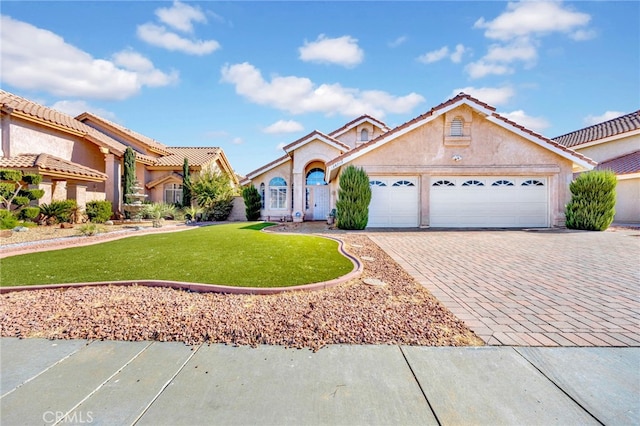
[(364, 135), (262, 195), (456, 127), (277, 193), (316, 177)]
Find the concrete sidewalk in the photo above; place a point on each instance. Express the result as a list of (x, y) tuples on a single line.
[(152, 383)]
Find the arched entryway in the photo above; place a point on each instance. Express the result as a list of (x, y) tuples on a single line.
[(316, 193)]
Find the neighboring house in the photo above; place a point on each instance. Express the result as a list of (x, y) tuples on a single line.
[(615, 145), (459, 165), (82, 158)]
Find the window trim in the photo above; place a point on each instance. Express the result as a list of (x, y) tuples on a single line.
[(278, 193)]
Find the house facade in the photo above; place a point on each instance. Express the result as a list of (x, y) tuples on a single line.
[(459, 165), (615, 145), (81, 158)]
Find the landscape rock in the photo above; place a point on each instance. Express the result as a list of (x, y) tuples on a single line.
[(109, 223), (401, 312), (20, 229), (65, 225)]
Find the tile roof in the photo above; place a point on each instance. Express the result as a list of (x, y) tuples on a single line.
[(316, 134), (268, 166), (620, 125), (437, 110), (58, 119), (364, 117), (50, 163), (623, 165), (197, 156), (150, 143)]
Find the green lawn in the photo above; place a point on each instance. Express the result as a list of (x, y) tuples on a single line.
[(232, 254)]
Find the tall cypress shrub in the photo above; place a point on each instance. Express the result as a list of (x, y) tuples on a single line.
[(186, 184), (252, 202), (129, 173), (593, 201), (354, 196)]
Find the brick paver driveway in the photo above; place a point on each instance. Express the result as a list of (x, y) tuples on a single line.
[(534, 288)]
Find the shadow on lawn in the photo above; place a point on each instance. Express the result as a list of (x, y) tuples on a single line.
[(258, 226)]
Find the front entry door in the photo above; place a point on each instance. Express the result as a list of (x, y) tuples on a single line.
[(320, 202)]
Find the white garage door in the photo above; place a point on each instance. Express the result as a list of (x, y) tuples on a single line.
[(394, 202), (483, 201)]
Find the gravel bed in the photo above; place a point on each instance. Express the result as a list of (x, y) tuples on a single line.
[(399, 312)]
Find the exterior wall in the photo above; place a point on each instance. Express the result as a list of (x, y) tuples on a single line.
[(352, 137), (612, 149), (628, 200), (238, 213), (29, 139), (490, 150)]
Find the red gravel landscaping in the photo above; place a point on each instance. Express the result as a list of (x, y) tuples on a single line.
[(399, 312)]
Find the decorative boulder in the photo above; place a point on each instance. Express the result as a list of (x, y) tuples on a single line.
[(20, 229), (65, 225), (109, 223)]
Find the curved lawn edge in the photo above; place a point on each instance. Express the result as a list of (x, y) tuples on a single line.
[(212, 288)]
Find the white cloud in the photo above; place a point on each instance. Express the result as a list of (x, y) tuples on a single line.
[(442, 53), (582, 35), (481, 69), (59, 68), (237, 141), (284, 126), (181, 16), (434, 55), (491, 95), (590, 120), (533, 18), (519, 50), (397, 42), (538, 124), (298, 95), (456, 56), (519, 30), (342, 51), (281, 145), (159, 36), (75, 108), (134, 61)]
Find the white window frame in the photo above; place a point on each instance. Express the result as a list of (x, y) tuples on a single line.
[(173, 193), (277, 194)]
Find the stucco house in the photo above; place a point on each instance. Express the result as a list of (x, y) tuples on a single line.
[(460, 164), (81, 158), (615, 145)]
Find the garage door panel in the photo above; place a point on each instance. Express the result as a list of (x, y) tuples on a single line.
[(393, 206), (508, 203)]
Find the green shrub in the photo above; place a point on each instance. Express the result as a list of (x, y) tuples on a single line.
[(11, 175), (252, 202), (99, 211), (193, 213), (354, 196), (220, 209), (593, 201), (58, 211), (32, 179), (29, 213), (7, 220), (89, 229), (158, 211), (14, 192), (214, 193)]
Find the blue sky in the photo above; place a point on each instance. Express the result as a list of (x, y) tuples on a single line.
[(251, 77)]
